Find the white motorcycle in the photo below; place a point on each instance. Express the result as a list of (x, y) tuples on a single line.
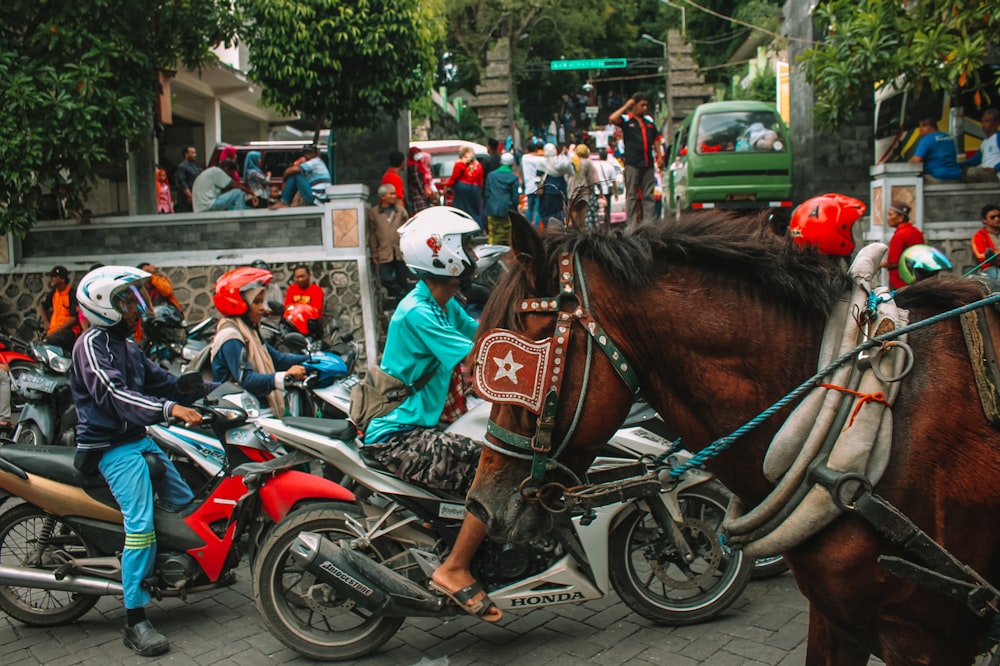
[(337, 585)]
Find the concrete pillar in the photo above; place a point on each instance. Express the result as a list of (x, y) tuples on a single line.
[(213, 126)]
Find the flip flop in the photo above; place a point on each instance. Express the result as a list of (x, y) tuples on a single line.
[(465, 595)]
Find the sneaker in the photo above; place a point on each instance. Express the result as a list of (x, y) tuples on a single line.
[(146, 641)]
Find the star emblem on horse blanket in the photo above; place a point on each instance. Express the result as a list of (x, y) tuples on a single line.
[(507, 367)]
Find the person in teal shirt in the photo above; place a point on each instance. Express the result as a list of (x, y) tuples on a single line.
[(429, 335)]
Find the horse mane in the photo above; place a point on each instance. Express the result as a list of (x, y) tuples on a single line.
[(939, 293), (733, 249)]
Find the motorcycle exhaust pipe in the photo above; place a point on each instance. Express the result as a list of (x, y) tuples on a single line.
[(46, 580), (367, 582)]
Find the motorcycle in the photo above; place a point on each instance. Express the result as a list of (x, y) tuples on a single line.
[(336, 585), (16, 354), (60, 547), (490, 267), (47, 414), (170, 342)]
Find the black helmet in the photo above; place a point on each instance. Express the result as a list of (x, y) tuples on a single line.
[(260, 263), (164, 325)]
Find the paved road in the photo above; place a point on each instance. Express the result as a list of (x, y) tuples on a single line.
[(766, 626)]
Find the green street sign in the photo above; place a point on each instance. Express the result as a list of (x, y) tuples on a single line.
[(595, 63)]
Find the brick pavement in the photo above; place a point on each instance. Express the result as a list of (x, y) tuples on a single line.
[(767, 626)]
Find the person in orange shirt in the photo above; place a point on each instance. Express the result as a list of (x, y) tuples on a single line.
[(58, 311), (303, 289), (160, 290)]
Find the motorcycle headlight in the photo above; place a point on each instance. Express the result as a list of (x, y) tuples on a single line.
[(60, 364), (250, 405), (229, 414)]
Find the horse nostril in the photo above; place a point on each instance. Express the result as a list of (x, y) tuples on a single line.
[(477, 510)]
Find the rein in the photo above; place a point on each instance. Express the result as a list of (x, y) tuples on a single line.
[(569, 306)]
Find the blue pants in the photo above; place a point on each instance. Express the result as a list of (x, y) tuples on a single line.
[(229, 200), (128, 476), (299, 183)]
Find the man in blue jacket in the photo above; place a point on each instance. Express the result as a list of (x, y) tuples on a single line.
[(117, 392)]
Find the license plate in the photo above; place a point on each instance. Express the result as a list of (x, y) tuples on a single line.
[(741, 197), (37, 382)]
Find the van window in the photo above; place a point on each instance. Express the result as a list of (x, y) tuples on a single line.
[(889, 118), (740, 131)]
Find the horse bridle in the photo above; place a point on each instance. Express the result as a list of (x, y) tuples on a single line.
[(568, 306)]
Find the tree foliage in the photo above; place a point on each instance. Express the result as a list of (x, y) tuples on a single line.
[(939, 45), (77, 84), (339, 61)]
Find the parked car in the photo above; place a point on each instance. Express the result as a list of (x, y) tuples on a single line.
[(731, 155), (444, 155)]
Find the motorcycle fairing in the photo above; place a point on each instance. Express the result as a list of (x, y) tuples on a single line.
[(57, 498), (280, 494)]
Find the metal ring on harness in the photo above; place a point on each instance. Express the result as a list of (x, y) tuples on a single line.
[(838, 486), (865, 360), (562, 492), (528, 493)]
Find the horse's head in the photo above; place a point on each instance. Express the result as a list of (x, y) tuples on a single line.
[(556, 396)]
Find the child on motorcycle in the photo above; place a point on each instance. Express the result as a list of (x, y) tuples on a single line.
[(431, 333), (117, 392)]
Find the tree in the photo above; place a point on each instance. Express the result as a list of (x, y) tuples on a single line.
[(939, 45), (338, 62), (77, 84)]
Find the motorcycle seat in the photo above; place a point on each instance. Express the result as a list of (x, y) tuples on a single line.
[(51, 462), (333, 428)]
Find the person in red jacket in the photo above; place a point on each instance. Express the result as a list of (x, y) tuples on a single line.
[(905, 235), (467, 183), (394, 176), (986, 240), (303, 289)]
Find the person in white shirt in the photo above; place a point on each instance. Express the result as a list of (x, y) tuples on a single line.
[(983, 166), (531, 163)]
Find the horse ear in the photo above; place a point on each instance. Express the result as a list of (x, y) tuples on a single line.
[(526, 247)]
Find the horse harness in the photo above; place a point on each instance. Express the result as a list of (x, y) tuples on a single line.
[(546, 362)]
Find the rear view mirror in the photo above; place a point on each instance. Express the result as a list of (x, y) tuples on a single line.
[(191, 383), (275, 307)]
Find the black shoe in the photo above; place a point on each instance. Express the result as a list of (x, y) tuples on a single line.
[(146, 641)]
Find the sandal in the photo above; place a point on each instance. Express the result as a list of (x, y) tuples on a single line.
[(462, 597)]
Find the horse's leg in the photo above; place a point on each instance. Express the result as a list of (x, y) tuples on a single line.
[(828, 647)]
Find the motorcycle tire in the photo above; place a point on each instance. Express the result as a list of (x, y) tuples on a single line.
[(21, 530), (29, 434), (769, 567), (328, 629), (651, 578)]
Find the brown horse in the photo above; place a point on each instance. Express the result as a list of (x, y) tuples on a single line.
[(720, 318)]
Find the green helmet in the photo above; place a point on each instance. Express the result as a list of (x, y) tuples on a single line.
[(921, 261)]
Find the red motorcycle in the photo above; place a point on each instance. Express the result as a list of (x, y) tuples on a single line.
[(59, 548)]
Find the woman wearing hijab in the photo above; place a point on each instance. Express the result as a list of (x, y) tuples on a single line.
[(239, 354), (256, 179), (229, 153)]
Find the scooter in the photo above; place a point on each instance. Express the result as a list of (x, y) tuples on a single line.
[(170, 341), (60, 546), (47, 415), (16, 354), (337, 585)]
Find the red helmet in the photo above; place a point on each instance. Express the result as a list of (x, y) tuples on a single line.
[(825, 222), (299, 315), (229, 296)]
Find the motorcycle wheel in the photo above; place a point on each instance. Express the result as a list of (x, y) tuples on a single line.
[(23, 543), (652, 579), (29, 434), (330, 628), (769, 567)]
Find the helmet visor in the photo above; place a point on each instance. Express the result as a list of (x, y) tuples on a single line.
[(132, 296)]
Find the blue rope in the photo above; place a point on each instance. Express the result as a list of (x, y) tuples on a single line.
[(723, 443)]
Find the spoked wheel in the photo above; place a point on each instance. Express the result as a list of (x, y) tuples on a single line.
[(31, 538), (305, 614), (654, 580)]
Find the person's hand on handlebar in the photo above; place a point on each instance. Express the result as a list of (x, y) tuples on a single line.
[(191, 417), (296, 372)]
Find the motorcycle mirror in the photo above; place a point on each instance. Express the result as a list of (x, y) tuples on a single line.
[(191, 383), (275, 307), (32, 323)]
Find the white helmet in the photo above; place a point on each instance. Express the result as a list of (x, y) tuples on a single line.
[(433, 244), (98, 293)]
